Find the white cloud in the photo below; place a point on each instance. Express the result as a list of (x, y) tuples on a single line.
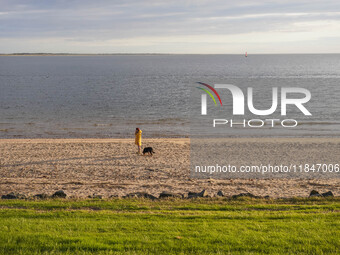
[(169, 27)]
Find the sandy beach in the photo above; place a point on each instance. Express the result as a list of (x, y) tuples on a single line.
[(111, 167)]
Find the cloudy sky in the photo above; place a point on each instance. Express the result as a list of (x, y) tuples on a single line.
[(170, 26)]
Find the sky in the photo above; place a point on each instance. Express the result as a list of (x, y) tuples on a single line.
[(170, 26)]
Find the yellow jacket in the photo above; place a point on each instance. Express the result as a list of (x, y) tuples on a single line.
[(138, 140)]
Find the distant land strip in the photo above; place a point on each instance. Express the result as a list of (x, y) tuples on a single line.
[(82, 54)]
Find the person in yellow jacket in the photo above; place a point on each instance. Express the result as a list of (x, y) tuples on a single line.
[(138, 139)]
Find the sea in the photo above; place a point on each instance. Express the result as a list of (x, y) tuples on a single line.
[(108, 96)]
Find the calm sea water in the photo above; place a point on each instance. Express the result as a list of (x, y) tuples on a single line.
[(109, 96)]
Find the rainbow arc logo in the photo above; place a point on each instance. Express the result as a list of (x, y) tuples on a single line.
[(204, 97), (209, 93)]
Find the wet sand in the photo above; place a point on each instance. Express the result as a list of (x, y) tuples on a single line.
[(82, 167)]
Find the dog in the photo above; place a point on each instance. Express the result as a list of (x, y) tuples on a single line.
[(148, 150)]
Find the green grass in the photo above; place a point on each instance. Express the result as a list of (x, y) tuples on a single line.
[(201, 226)]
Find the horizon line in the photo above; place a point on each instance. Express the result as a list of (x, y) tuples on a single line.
[(155, 53)]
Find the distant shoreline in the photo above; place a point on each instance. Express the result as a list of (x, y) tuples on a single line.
[(152, 54), (84, 54)]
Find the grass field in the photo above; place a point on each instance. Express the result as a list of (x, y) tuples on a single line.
[(202, 226)]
